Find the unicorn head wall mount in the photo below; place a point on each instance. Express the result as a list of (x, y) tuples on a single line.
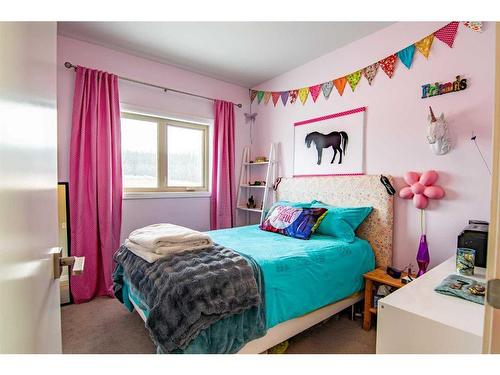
[(437, 134)]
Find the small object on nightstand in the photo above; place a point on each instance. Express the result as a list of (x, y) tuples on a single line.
[(393, 272), (378, 277), (260, 159)]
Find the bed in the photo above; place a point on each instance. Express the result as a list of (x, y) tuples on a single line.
[(306, 282)]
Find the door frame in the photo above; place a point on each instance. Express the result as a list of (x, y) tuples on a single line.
[(491, 341)]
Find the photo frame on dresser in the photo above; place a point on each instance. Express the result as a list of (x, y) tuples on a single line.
[(331, 145)]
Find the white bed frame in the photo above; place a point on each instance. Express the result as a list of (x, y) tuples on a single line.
[(347, 191)]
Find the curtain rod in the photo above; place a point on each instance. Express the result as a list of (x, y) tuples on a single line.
[(69, 65)]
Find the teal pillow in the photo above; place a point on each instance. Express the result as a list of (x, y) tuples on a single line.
[(341, 222)]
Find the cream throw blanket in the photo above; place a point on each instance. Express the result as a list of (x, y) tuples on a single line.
[(158, 240)]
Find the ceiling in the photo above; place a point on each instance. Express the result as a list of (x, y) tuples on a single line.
[(243, 53)]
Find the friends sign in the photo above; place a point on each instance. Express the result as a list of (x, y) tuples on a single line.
[(437, 88)]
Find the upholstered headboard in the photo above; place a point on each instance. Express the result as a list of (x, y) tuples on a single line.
[(350, 191)]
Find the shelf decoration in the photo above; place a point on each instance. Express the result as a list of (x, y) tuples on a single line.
[(446, 34)]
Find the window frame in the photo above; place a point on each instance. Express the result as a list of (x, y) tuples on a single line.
[(162, 154)]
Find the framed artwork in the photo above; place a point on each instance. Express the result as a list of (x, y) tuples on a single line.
[(330, 145)]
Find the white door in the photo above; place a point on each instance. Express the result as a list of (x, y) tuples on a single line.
[(491, 337), (29, 296)]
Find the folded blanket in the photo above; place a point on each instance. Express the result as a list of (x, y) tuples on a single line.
[(161, 239), (190, 291), (462, 287)]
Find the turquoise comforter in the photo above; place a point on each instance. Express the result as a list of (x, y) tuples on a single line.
[(300, 275)]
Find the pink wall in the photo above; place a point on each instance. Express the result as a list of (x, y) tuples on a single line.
[(192, 212), (396, 121)]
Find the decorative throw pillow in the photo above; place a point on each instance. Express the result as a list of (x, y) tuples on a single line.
[(297, 222), (341, 222)]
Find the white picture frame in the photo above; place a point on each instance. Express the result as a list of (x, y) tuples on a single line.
[(331, 145)]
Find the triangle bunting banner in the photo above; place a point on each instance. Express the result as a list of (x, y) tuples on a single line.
[(303, 94), (424, 45), (253, 94), (327, 89), (340, 84), (314, 90), (370, 72), (447, 33), (260, 95), (406, 55), (353, 79), (388, 64), (284, 97), (276, 97)]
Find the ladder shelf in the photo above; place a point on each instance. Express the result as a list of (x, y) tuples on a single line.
[(245, 189)]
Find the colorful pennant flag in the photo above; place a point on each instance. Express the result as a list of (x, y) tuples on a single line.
[(353, 79), (370, 72), (260, 95), (447, 33), (276, 97), (253, 94), (424, 45), (315, 90), (327, 89), (284, 97), (474, 26), (267, 96), (406, 55), (303, 94), (388, 64), (339, 84)]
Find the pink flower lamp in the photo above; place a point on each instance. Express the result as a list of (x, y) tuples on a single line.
[(421, 188)]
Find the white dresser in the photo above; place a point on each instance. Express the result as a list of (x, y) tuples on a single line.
[(416, 319)]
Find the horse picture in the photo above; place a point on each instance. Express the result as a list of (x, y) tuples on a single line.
[(337, 140), (330, 145)]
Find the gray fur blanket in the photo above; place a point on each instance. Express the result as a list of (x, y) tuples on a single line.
[(190, 291)]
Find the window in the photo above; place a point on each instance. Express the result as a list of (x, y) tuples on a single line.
[(160, 155)]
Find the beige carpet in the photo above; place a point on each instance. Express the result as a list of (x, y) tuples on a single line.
[(104, 326)]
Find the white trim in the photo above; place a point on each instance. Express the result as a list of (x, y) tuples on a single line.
[(169, 115), (166, 194)]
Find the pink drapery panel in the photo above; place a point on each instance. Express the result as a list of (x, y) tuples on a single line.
[(95, 181), (222, 199)]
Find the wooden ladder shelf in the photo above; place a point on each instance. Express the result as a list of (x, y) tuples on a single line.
[(245, 189)]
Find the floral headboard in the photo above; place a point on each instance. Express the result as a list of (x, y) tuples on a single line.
[(351, 191)]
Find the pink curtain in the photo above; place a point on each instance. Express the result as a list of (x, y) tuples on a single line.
[(95, 181), (222, 199)]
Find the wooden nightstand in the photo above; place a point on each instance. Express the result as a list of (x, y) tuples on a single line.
[(378, 277)]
